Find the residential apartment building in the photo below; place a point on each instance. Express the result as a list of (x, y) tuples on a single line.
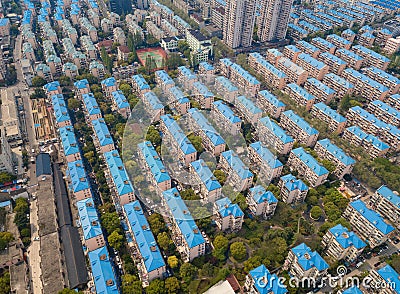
[(308, 48), (371, 144), (273, 20), (315, 68), (223, 115), (261, 202), (239, 174), (320, 91), (327, 150), (294, 73), (102, 140), (248, 109), (340, 85), (272, 135), (228, 216), (385, 112), (292, 190), (392, 45), (335, 121), (336, 65), (209, 187), (206, 72), (186, 77), (6, 160), (299, 128), (81, 87), (339, 41), (102, 269), (270, 104), (323, 45), (367, 223), (273, 56), (291, 52), (69, 144), (120, 103), (201, 46), (384, 78), (60, 111), (308, 167), (387, 279), (226, 88), (108, 86), (371, 58), (79, 184), (264, 161), (339, 243), (260, 280), (299, 95), (394, 101), (187, 236), (352, 59), (163, 80), (140, 85), (178, 100), (91, 107), (153, 105), (387, 203), (202, 95)]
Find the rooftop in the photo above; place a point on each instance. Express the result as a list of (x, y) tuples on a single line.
[(118, 173), (336, 152), (237, 165), (277, 130), (102, 271), (292, 183), (260, 195), (310, 161), (300, 122), (227, 208), (154, 162), (346, 238), (308, 259), (206, 127)]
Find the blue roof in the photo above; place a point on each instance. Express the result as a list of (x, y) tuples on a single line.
[(77, 174), (249, 105), (5, 203), (336, 152), (277, 130), (348, 32), (301, 91), (371, 53), (144, 237), (308, 26), (297, 28), (266, 155), (102, 132), (310, 161), (178, 95), (368, 137), (120, 99), (260, 195), (292, 184), (60, 109), (52, 86), (291, 48), (309, 46), (206, 127), (154, 162), (333, 58), (312, 61), (272, 99), (383, 74), (274, 52), (91, 104), (179, 136), (300, 122), (366, 79), (4, 22), (346, 238), (245, 74), (373, 217), (321, 86), (389, 195), (264, 63), (324, 42), (387, 108), (330, 112), (81, 84), (141, 82), (206, 66), (227, 112), (308, 259), (118, 173), (227, 208), (187, 73), (368, 35), (153, 100), (109, 82), (391, 277), (226, 83), (68, 140), (343, 82), (189, 230), (89, 218), (265, 282), (102, 270), (237, 165), (205, 174), (352, 290), (350, 54), (163, 75), (202, 89)]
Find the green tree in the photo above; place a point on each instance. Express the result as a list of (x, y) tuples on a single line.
[(156, 223), (153, 136), (110, 222), (164, 241), (38, 81), (220, 175), (65, 81), (238, 251), (115, 240), (172, 285), (126, 89), (329, 165), (252, 263), (6, 177), (174, 60), (189, 194), (197, 142), (131, 284), (173, 261), (220, 247), (188, 272), (241, 200), (316, 212), (73, 104), (156, 287)]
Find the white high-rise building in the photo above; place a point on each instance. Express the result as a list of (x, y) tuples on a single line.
[(239, 23), (6, 162), (273, 20)]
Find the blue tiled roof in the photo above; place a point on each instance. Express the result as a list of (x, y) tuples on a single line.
[(77, 174), (368, 35), (343, 82), (260, 195), (367, 137), (312, 61), (4, 22), (261, 60), (154, 162), (292, 48), (118, 173), (367, 80), (206, 127), (91, 104), (60, 109), (52, 86), (383, 74), (349, 32), (226, 111), (324, 42), (301, 91), (352, 290), (277, 130), (391, 277), (81, 84), (205, 174), (321, 86), (180, 138), (300, 122), (153, 100), (265, 282), (333, 58), (187, 73), (206, 66), (297, 28), (102, 270), (336, 152), (389, 195), (350, 54), (249, 105), (310, 161), (227, 208), (267, 156), (141, 82), (308, 259), (88, 218), (202, 89), (373, 217), (387, 108), (68, 140), (166, 79), (189, 230), (237, 165), (371, 53), (346, 238), (109, 82), (102, 132), (178, 95), (272, 99), (226, 83), (308, 26), (120, 99), (274, 52), (144, 237), (292, 184), (330, 112)]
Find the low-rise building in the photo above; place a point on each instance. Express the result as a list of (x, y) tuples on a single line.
[(307, 166), (371, 144), (202, 95), (394, 101), (178, 100), (323, 45), (336, 64), (228, 216), (78, 182), (261, 202), (387, 203), (102, 140), (239, 174), (292, 190), (226, 88), (274, 136), (60, 111), (223, 115), (201, 46), (315, 68), (261, 281), (120, 103), (92, 109), (349, 35), (270, 104), (335, 121), (273, 56), (367, 223), (371, 58), (206, 72), (366, 39), (186, 77), (340, 243), (248, 109), (385, 112), (386, 79), (265, 161), (300, 96), (108, 86), (320, 91), (392, 45), (153, 105), (308, 48), (97, 69), (81, 87), (102, 270), (163, 80), (187, 236), (339, 42), (295, 74), (69, 144), (385, 280), (352, 59), (299, 128), (139, 85), (209, 186), (340, 85), (291, 52)]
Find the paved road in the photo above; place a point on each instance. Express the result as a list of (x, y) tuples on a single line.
[(33, 251)]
